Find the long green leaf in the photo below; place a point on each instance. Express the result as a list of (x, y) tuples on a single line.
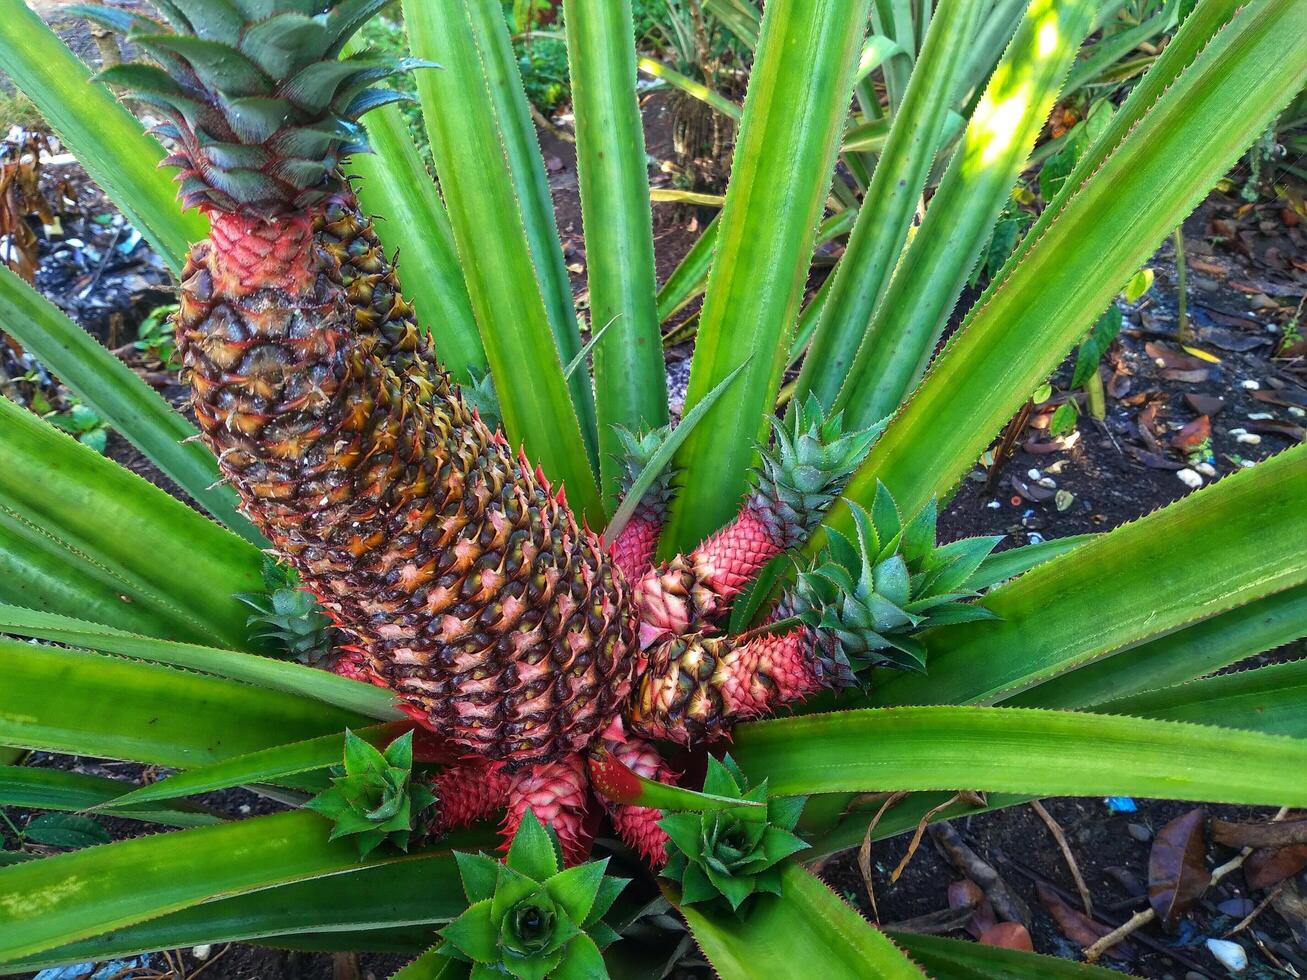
[(1203, 555), (1161, 162), (423, 889), (432, 966), (413, 223), (865, 269), (690, 276), (491, 232), (1268, 699), (1017, 561), (120, 397), (1020, 750), (740, 17), (691, 273), (112, 541), (960, 959), (57, 789), (1178, 657), (992, 37), (107, 139), (262, 766), (630, 378), (68, 897), (1111, 49), (683, 83), (662, 457), (908, 322), (527, 167), (794, 112), (276, 675), (806, 931), (123, 709)]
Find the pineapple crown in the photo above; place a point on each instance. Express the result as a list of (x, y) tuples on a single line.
[(481, 395), (638, 449), (805, 469), (527, 916), (258, 103), (289, 617), (867, 597), (732, 854), (372, 796)]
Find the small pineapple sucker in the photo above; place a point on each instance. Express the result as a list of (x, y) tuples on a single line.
[(798, 478), (462, 580), (633, 550)]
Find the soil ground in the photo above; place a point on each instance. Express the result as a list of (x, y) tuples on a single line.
[(1246, 277)]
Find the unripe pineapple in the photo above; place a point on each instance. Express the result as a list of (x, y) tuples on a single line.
[(465, 582)]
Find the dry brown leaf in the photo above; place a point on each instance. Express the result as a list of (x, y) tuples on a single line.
[(1077, 926), (1177, 866), (1008, 935)]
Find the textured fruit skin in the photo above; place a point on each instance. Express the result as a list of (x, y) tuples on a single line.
[(688, 593), (471, 790), (694, 689), (638, 825), (633, 551), (558, 793), (464, 579)]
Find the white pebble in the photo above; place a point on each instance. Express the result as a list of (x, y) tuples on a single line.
[(1033, 474), (201, 952), (1048, 482), (1297, 412), (1260, 416), (245, 809), (1189, 478), (1229, 955), (1250, 438), (1206, 469), (993, 505), (1238, 432), (1251, 385), (1247, 464)]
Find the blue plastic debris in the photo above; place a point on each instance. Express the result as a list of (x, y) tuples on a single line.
[(116, 970), (1121, 804)]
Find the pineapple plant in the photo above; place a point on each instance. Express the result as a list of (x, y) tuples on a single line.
[(506, 661)]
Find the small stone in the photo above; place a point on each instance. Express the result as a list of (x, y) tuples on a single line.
[(1189, 478), (1139, 832), (1237, 432), (993, 505), (1297, 412), (1247, 464), (1229, 955), (1251, 385), (1206, 469), (1047, 482), (245, 809), (1033, 474), (1204, 404), (1056, 469), (1034, 537), (1260, 416), (1249, 438), (1064, 499), (202, 952)]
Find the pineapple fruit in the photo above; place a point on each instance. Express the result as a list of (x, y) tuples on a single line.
[(460, 579)]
